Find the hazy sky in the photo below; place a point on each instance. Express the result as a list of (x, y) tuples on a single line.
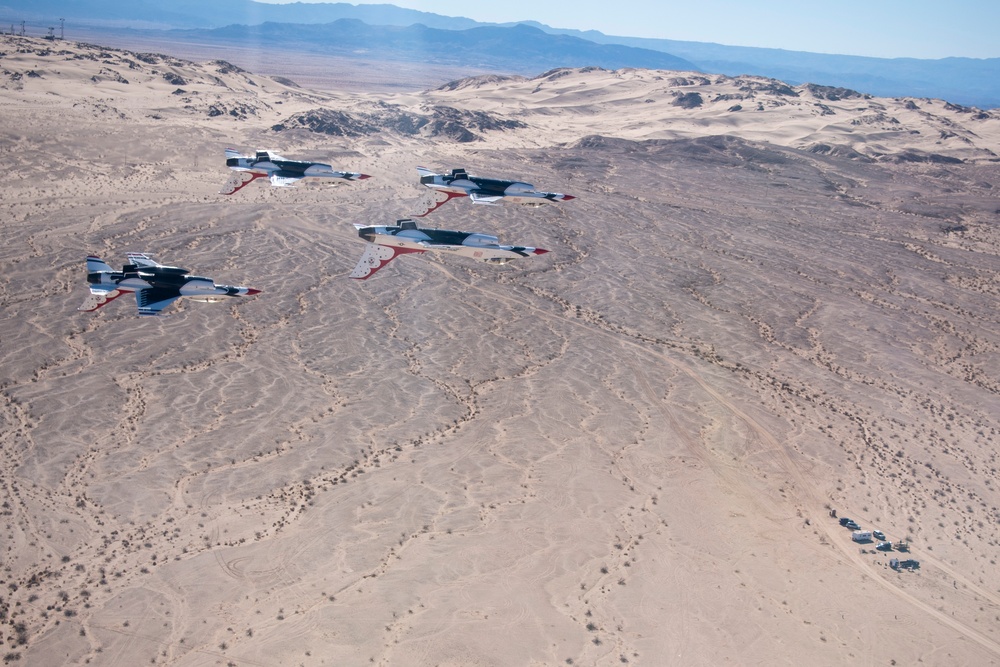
[(882, 28)]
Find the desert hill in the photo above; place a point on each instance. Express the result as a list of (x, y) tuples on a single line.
[(644, 104), (625, 451)]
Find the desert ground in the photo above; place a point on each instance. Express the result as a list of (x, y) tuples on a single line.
[(626, 451)]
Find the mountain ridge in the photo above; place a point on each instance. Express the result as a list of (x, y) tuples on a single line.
[(521, 49), (967, 81)]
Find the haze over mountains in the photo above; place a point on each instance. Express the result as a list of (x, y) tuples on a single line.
[(392, 33), (520, 48)]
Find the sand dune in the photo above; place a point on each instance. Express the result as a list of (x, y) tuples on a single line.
[(624, 451)]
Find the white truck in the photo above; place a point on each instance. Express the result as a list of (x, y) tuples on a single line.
[(862, 536)]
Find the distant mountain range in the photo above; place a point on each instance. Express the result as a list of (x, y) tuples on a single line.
[(973, 81), (196, 14), (395, 33), (519, 49)]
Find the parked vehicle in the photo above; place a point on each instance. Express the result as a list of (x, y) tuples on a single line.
[(910, 564), (862, 536), (878, 534)]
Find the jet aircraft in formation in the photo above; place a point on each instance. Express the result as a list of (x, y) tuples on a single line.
[(386, 243), (280, 171), (156, 286), (459, 183)]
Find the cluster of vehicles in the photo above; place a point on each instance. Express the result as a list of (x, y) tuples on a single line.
[(866, 536), (156, 286)]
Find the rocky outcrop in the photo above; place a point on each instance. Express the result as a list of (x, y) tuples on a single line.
[(688, 101), (479, 81), (444, 122), (833, 94)]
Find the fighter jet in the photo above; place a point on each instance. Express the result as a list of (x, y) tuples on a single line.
[(156, 286), (386, 243), (483, 190), (280, 171)]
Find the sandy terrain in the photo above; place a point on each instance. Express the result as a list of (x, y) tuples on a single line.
[(623, 451)]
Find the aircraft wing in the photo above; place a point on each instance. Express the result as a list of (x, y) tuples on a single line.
[(238, 180), (489, 200), (284, 181), (375, 257), (448, 196), (152, 300), (141, 259), (98, 299)]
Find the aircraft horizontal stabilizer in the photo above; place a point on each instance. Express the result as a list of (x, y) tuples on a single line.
[(95, 264), (142, 259)]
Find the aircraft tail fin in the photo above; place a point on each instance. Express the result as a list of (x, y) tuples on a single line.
[(233, 153), (424, 171)]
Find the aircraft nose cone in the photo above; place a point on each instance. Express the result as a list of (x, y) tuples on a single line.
[(568, 197), (362, 177), (540, 251), (251, 291)]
